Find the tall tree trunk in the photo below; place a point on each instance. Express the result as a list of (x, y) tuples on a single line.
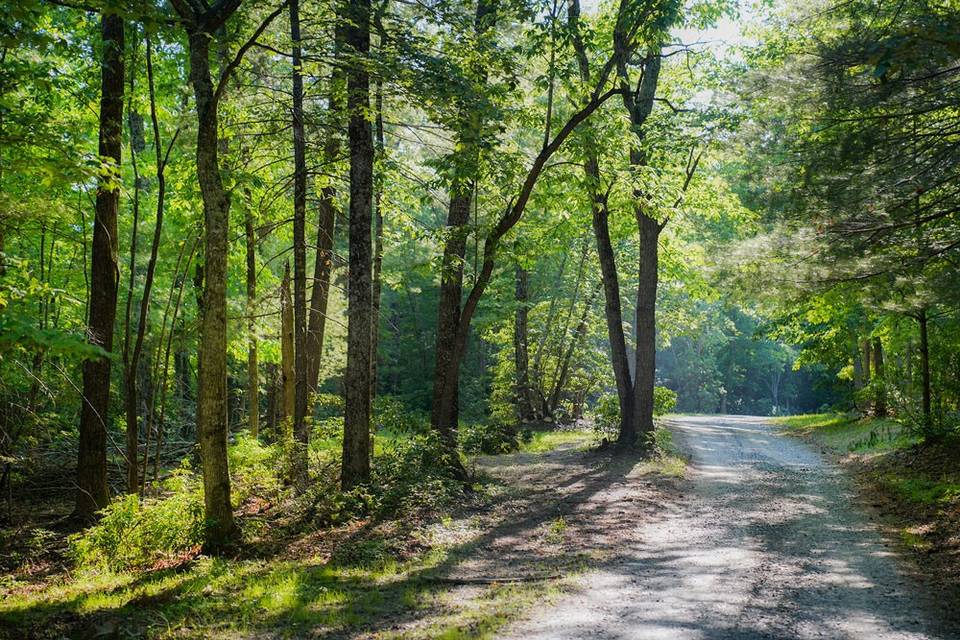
[(323, 264), (253, 375), (563, 369), (880, 400), (521, 345), (446, 381), (925, 392), (92, 491), (212, 385), (377, 241), (134, 358), (613, 310), (639, 105), (646, 331), (446, 374), (135, 129), (212, 355), (200, 22), (356, 429), (301, 430), (287, 351)]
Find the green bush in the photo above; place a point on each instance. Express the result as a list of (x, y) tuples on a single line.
[(326, 405), (253, 468), (391, 414), (606, 416), (136, 534), (414, 475), (664, 400), (491, 439)]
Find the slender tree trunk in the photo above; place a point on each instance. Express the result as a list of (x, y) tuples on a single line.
[(563, 370), (287, 350), (377, 242), (301, 430), (521, 345), (356, 433), (857, 369), (613, 310), (129, 368), (880, 401), (646, 331), (446, 381), (253, 374), (323, 264), (272, 403), (92, 491), (212, 383), (925, 392)]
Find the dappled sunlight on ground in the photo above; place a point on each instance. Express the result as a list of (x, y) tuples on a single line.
[(769, 545)]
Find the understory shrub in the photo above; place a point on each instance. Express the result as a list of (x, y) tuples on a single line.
[(664, 400), (606, 416), (606, 412), (410, 476), (415, 475), (391, 414), (253, 468), (492, 439), (135, 533)]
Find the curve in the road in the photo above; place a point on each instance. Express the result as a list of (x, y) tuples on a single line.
[(769, 544)]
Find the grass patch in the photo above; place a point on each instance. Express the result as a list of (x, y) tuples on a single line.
[(237, 598), (841, 433), (546, 441), (925, 490)]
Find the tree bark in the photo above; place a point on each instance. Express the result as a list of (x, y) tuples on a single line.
[(377, 243), (212, 391), (287, 350), (646, 355), (521, 345), (445, 408), (925, 392), (253, 375), (356, 433), (880, 400), (323, 263), (212, 384), (92, 491), (301, 430)]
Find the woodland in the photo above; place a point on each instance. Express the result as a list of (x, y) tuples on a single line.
[(281, 274)]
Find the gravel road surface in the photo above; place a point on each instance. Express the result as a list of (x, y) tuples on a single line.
[(768, 543)]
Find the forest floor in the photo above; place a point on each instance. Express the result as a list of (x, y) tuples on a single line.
[(548, 513), (769, 541), (758, 535)]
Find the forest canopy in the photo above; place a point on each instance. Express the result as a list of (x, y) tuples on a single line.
[(346, 239)]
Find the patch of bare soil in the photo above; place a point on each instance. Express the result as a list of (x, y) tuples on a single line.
[(563, 509)]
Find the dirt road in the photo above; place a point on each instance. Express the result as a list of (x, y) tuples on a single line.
[(767, 544)]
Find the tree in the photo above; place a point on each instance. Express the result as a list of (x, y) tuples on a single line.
[(92, 491), (356, 434), (301, 430), (199, 22)]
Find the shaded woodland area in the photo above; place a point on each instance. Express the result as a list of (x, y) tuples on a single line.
[(292, 265)]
